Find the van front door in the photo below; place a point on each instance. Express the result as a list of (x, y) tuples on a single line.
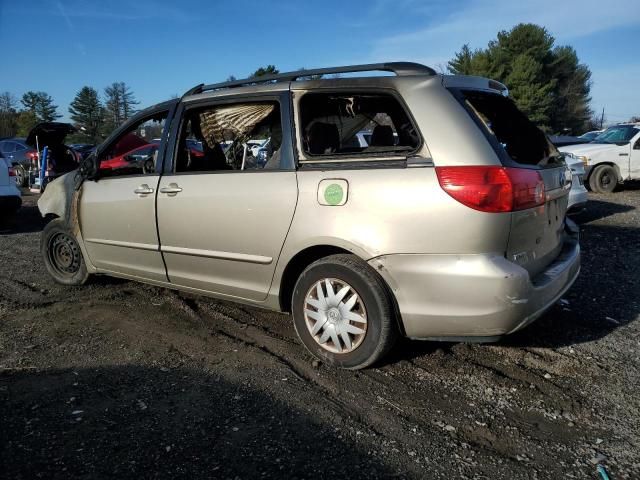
[(117, 212)]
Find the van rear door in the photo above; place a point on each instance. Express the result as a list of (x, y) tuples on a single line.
[(537, 234)]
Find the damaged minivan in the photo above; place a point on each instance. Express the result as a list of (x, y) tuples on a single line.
[(447, 223)]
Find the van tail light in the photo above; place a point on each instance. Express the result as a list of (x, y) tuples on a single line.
[(12, 172), (491, 188)]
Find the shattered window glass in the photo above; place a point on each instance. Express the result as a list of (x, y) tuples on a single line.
[(353, 123), (135, 152), (245, 136)]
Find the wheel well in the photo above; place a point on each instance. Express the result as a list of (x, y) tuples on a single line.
[(49, 217), (296, 266), (610, 164), (306, 257)]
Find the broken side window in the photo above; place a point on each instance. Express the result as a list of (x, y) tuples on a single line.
[(243, 136), (513, 132), (354, 124), (135, 151)]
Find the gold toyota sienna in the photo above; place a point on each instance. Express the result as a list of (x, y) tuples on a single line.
[(369, 207)]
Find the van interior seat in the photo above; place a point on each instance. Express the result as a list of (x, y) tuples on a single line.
[(323, 138), (382, 136)]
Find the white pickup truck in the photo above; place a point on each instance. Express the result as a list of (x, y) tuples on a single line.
[(610, 158)]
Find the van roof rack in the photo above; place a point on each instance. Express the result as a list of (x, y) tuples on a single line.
[(399, 68)]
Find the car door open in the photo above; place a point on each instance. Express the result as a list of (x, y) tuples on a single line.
[(117, 211)]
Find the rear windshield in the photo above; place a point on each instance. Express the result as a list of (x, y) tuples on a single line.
[(509, 130)]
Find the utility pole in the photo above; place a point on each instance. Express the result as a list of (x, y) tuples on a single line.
[(602, 119)]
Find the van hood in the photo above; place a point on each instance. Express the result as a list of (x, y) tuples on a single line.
[(588, 148), (49, 134)]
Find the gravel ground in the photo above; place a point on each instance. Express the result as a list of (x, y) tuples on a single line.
[(118, 379)]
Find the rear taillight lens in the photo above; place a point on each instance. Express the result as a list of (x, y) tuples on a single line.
[(493, 189), (12, 172)]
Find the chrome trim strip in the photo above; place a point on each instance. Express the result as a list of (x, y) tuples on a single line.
[(116, 243), (238, 257)]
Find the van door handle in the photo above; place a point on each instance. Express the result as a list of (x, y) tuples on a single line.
[(623, 154), (143, 190), (171, 190)]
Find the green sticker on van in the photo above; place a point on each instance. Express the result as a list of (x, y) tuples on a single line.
[(333, 194)]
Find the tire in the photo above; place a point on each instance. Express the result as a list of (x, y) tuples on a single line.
[(21, 176), (148, 166), (62, 255), (327, 314), (604, 179)]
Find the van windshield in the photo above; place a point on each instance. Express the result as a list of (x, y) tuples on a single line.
[(510, 129)]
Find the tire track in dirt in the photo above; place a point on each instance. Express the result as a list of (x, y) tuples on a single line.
[(262, 339)]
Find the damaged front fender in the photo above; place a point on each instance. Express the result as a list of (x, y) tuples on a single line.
[(58, 198), (61, 199)]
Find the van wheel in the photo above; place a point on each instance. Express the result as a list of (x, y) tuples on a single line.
[(604, 179), (342, 312), (62, 255)]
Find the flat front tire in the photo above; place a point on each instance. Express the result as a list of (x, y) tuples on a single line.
[(62, 255), (342, 312)]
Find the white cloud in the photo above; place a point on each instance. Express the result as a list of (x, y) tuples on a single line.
[(478, 21)]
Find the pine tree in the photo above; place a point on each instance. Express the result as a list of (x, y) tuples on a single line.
[(25, 121), (41, 105), (30, 101), (262, 71), (119, 105), (461, 64), (87, 112), (548, 83), (528, 87), (571, 96)]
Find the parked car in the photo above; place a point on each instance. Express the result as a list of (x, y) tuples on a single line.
[(589, 136), (10, 196), (83, 149), (134, 160), (20, 155), (611, 158), (578, 195), (564, 140), (60, 157), (451, 227)]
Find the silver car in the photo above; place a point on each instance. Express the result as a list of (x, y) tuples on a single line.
[(578, 195), (448, 225)]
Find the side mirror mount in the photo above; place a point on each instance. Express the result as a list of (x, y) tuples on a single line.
[(89, 167)]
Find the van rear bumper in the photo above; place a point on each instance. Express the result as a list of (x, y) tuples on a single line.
[(447, 297)]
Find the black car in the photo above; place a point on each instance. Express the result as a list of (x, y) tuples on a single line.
[(60, 157)]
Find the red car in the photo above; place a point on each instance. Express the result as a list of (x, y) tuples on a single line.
[(136, 159), (139, 158)]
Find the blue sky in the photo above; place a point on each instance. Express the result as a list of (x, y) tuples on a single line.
[(162, 48)]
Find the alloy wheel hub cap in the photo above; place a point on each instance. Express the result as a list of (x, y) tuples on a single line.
[(335, 315)]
